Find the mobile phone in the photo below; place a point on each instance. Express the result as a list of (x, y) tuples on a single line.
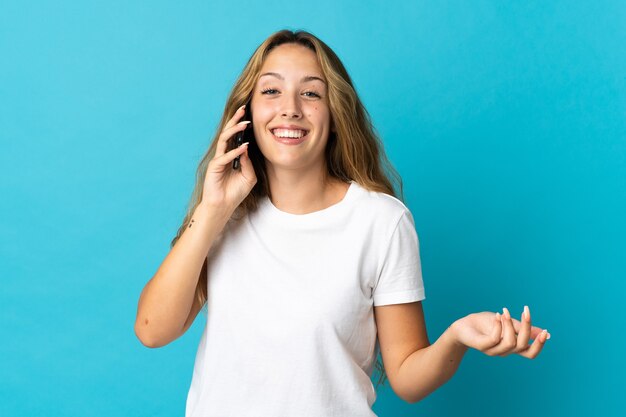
[(245, 135)]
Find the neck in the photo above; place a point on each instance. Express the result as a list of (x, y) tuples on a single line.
[(298, 192)]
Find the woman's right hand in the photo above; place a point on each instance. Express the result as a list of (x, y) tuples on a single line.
[(225, 187)]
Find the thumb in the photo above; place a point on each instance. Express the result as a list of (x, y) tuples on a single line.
[(496, 331)]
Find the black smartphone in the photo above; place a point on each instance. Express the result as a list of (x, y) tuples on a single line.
[(244, 136)]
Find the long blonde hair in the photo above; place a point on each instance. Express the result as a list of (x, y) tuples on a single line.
[(354, 151)]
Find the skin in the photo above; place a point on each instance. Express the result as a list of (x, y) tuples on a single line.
[(297, 173), (299, 184), (416, 368)]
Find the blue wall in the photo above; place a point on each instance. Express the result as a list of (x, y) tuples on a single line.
[(506, 119)]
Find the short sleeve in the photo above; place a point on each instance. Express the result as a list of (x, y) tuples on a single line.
[(400, 279)]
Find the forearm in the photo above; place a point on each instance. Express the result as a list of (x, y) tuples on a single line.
[(167, 298), (427, 369)]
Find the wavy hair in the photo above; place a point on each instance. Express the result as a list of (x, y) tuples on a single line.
[(354, 151)]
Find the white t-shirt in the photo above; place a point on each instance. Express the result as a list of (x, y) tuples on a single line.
[(290, 327)]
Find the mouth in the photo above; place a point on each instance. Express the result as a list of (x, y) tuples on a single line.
[(290, 136)]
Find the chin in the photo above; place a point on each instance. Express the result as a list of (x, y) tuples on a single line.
[(291, 162)]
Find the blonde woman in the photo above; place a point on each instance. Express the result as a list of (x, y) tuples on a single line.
[(306, 260)]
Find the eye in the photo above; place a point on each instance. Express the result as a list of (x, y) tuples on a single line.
[(272, 91), (314, 94)]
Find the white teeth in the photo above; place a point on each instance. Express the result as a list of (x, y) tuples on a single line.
[(287, 133)]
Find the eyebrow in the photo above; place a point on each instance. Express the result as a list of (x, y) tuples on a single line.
[(304, 79)]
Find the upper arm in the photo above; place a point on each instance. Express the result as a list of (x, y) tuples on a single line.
[(401, 331)]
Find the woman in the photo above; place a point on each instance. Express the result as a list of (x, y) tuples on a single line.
[(306, 260)]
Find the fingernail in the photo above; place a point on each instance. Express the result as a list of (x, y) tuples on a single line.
[(243, 107), (244, 144), (544, 335), (498, 316), (547, 334), (526, 313), (506, 313), (245, 122)]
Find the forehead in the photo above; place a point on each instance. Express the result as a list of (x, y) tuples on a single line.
[(292, 59)]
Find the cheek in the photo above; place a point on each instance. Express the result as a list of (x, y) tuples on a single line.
[(261, 116), (317, 113)]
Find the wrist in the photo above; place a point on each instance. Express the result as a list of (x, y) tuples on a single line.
[(453, 335), (216, 211)]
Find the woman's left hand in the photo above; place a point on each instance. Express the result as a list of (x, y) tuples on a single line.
[(499, 334)]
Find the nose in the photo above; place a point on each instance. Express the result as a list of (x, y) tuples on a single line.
[(291, 108)]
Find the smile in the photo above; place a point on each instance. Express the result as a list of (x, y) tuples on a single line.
[(289, 137)]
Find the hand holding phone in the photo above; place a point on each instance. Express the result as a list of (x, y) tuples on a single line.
[(223, 188)]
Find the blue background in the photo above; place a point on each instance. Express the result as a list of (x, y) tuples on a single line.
[(506, 119)]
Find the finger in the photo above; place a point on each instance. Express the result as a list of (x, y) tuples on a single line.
[(535, 348), (534, 331), (247, 169), (524, 331), (219, 162), (239, 113), (493, 339), (517, 325), (509, 340), (227, 133)]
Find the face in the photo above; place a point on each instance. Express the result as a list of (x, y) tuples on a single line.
[(290, 112)]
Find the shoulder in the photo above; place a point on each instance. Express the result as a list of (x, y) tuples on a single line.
[(381, 205)]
